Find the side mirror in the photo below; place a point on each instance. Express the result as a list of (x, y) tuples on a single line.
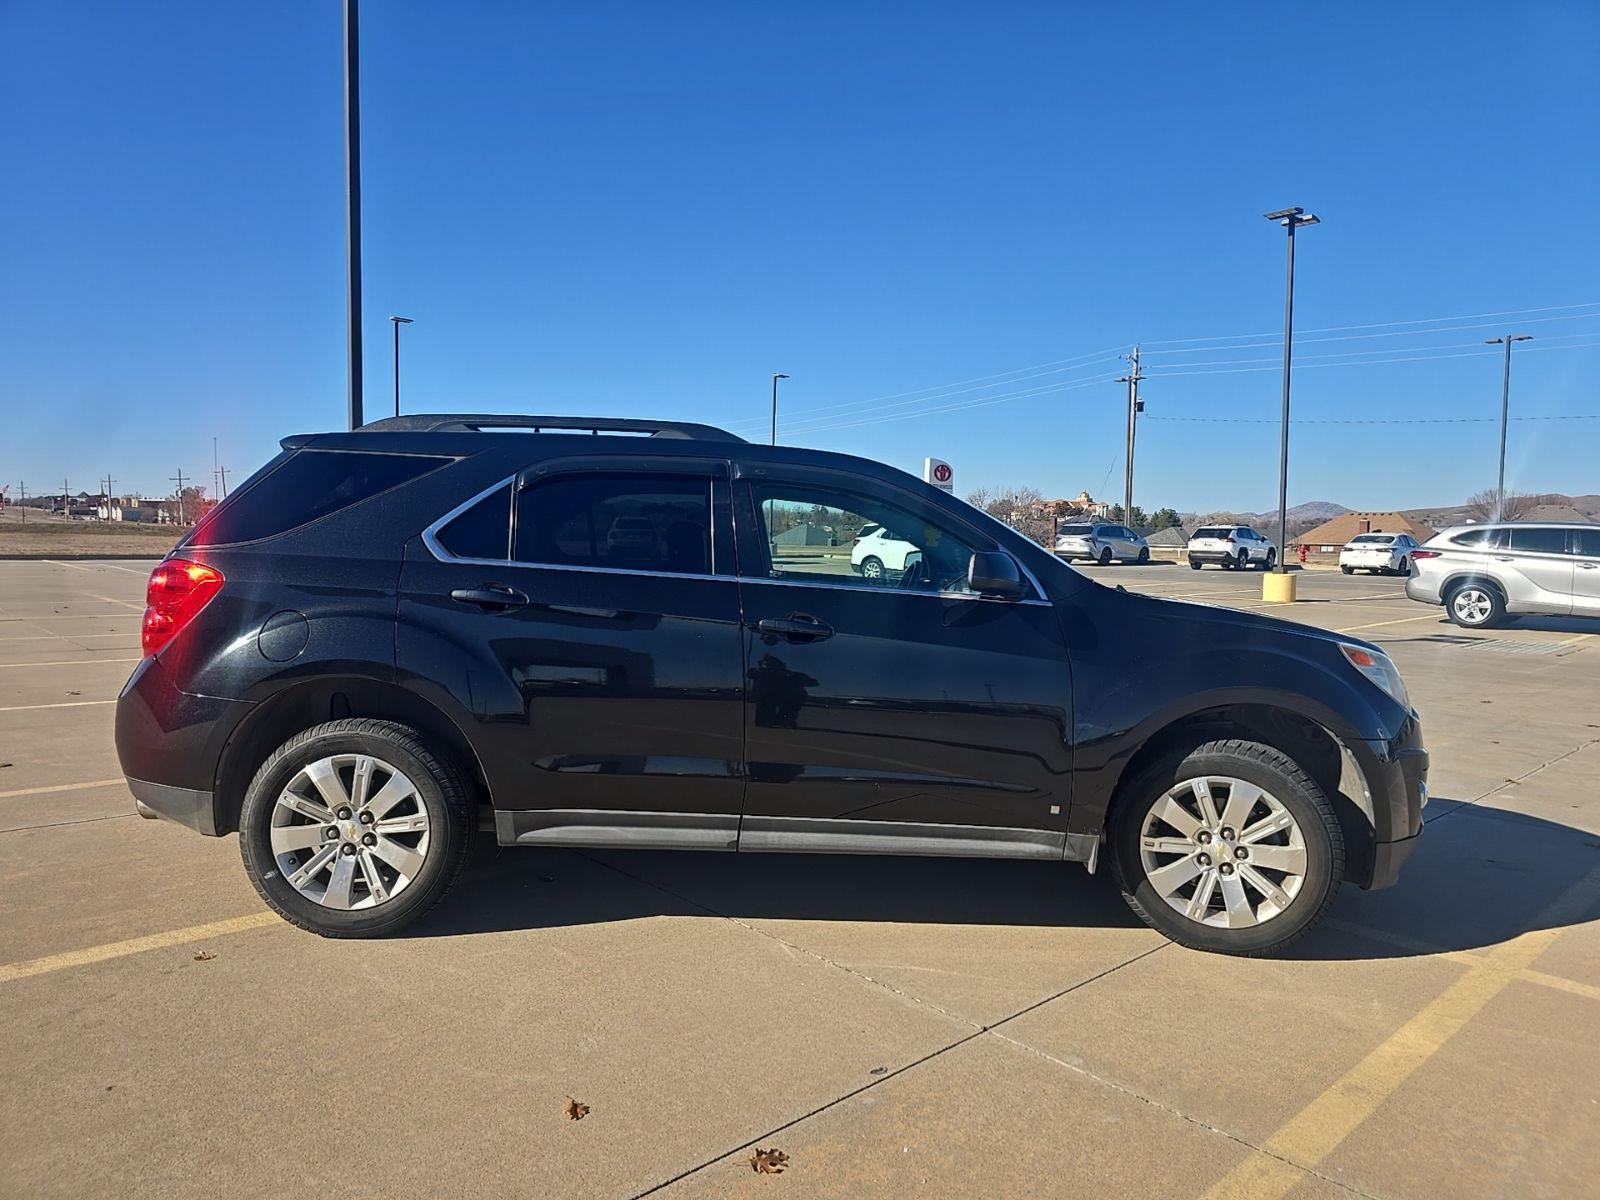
[(995, 573)]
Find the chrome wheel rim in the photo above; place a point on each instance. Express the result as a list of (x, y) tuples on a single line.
[(349, 832), (1472, 606), (1223, 852), (871, 568)]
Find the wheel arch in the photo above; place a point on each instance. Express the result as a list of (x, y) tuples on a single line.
[(302, 705), (1316, 747)]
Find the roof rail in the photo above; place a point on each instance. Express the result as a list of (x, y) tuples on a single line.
[(478, 422)]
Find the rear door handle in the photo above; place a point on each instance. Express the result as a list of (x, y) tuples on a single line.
[(1504, 558), (1588, 566), (491, 597), (798, 627)]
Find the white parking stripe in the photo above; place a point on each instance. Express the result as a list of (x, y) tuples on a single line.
[(69, 662), (97, 566), (61, 787), (68, 704)]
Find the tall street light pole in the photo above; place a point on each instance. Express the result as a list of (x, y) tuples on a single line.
[(398, 321), (1291, 219), (352, 184), (775, 377), (1505, 415)]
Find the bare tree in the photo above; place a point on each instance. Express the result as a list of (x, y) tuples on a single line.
[(1023, 508), (1481, 506)]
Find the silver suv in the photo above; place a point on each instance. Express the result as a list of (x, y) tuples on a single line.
[(1100, 542), (1480, 573)]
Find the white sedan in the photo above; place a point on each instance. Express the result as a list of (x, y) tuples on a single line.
[(1380, 553)]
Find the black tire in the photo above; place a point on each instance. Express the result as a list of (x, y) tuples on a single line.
[(1270, 561), (442, 791), (1347, 570), (1193, 565), (1492, 605), (1277, 774), (1105, 556), (872, 567), (1404, 569), (1144, 555), (1243, 562)]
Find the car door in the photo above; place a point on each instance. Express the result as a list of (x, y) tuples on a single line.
[(587, 615), (1586, 571), (896, 713), (1539, 555)]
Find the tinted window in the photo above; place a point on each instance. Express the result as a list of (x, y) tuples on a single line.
[(633, 522), (304, 487), (1212, 531), (1540, 541), (1377, 539), (1587, 541), (1481, 538), (1076, 530), (483, 531), (810, 536)]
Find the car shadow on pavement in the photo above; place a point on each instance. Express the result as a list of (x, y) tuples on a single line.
[(1480, 877)]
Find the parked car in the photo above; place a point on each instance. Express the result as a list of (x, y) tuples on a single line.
[(1231, 547), (632, 537), (1380, 553), (388, 639), (1100, 542), (877, 553), (1483, 573)]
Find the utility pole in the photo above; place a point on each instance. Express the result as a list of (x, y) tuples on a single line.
[(23, 484), (775, 378), (109, 482), (66, 501), (1509, 339), (1135, 407), (352, 185), (178, 479), (224, 473), (215, 475)]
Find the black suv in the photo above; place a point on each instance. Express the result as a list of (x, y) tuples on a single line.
[(643, 634)]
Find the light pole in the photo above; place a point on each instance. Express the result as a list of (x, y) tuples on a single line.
[(398, 321), (1508, 341), (1291, 219), (352, 204), (775, 377)]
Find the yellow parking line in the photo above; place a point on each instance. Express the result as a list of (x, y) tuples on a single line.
[(1316, 1130), (67, 704), (154, 941), (61, 787), (1561, 984)]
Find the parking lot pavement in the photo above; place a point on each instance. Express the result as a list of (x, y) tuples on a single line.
[(896, 1026)]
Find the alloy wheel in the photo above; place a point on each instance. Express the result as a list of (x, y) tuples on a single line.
[(1223, 852), (1471, 606), (349, 831)]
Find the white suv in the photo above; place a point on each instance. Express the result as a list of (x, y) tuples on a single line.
[(1231, 547), (877, 551), (1482, 573)]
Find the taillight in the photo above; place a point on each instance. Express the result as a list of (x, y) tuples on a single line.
[(1230, 539), (177, 591), (1416, 554)]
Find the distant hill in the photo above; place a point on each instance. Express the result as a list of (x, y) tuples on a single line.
[(1439, 518), (1311, 512)]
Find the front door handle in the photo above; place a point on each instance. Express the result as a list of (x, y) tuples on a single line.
[(797, 627), (491, 597)]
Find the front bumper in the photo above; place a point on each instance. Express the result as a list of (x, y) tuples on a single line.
[(1396, 775)]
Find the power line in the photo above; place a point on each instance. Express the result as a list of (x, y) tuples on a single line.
[(1375, 420), (1375, 362), (1234, 362), (1381, 324), (1362, 337)]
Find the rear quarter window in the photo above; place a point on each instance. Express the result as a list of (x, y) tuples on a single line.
[(1480, 539), (305, 487)]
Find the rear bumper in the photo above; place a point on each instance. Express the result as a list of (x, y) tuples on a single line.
[(188, 807), (1212, 556), (1422, 589), (169, 743)]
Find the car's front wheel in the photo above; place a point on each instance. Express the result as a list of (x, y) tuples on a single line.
[(1347, 570), (1193, 565), (1144, 555), (354, 828), (1229, 847)]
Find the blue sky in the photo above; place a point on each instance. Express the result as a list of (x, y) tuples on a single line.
[(916, 211)]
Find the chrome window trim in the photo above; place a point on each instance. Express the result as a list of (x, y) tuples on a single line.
[(430, 539)]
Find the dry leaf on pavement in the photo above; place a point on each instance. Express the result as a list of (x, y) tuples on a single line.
[(576, 1111), (203, 956), (769, 1162)]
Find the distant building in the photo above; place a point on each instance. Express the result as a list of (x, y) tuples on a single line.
[(805, 534), (1171, 538), (1331, 535)]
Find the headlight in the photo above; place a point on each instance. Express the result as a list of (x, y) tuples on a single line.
[(1378, 667)]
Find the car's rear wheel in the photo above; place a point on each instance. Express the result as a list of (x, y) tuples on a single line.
[(1105, 556), (1244, 560), (1193, 565), (1347, 570), (1404, 569), (872, 567), (354, 828), (1475, 605), (1229, 847)]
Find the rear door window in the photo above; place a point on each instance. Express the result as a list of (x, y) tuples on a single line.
[(307, 486), (637, 522), (1481, 539), (1539, 541)]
